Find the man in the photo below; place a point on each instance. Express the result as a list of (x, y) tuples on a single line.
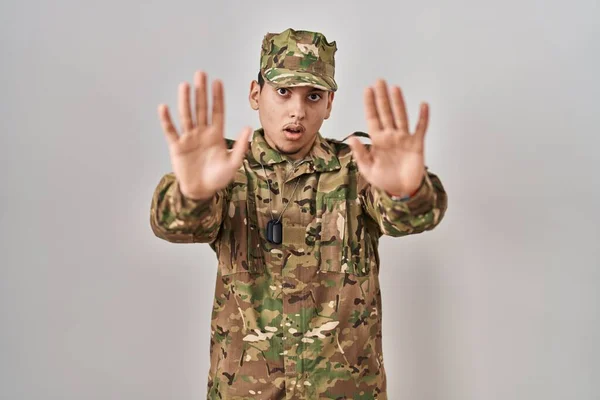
[(295, 222)]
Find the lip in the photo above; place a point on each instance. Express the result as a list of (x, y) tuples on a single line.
[(296, 127), (294, 136)]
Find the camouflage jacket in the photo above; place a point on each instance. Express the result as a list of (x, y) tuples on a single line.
[(303, 319)]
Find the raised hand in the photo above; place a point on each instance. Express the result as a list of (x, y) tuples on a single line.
[(200, 159), (396, 161)]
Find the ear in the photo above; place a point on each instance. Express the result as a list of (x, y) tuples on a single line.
[(330, 96), (254, 95)]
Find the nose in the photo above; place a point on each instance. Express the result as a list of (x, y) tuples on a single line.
[(297, 108)]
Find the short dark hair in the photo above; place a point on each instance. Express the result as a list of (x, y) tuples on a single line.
[(261, 80)]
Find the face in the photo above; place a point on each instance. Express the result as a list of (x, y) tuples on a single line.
[(291, 117)]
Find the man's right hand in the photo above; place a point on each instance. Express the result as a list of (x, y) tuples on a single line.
[(200, 159)]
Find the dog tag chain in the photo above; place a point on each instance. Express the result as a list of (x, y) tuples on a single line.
[(274, 231)]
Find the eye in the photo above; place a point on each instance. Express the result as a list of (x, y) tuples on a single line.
[(314, 97), (285, 91)]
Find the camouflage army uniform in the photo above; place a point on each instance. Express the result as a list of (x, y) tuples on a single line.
[(302, 319)]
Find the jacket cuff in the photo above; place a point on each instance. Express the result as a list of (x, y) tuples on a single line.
[(421, 199), (187, 208)]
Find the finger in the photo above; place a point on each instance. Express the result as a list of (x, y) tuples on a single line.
[(400, 110), (423, 120), (360, 153), (185, 114), (240, 147), (373, 123), (167, 125), (218, 112), (201, 101), (383, 105)]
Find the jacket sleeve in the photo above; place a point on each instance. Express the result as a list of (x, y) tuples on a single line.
[(178, 219), (421, 212)]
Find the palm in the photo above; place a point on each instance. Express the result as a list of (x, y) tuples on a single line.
[(396, 161), (201, 162), (200, 159)]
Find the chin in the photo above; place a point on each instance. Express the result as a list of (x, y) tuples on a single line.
[(289, 150)]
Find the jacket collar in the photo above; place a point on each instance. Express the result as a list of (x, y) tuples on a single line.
[(321, 155)]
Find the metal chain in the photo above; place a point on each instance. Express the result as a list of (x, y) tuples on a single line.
[(282, 197)]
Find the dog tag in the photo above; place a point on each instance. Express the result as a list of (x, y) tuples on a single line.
[(274, 231)]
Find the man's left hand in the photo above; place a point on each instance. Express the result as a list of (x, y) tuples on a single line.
[(396, 161)]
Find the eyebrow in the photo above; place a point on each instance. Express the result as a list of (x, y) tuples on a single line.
[(315, 90)]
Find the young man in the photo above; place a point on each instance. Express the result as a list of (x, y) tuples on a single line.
[(295, 222)]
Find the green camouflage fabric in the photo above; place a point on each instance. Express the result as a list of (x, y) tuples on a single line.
[(298, 58), (303, 319)]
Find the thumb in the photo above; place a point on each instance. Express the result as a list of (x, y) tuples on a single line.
[(361, 155), (240, 147)]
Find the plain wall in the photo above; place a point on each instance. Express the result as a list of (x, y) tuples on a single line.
[(499, 302)]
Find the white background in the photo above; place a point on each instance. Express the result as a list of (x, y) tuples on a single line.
[(499, 302)]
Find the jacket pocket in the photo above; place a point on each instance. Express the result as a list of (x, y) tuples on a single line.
[(239, 250), (342, 244)]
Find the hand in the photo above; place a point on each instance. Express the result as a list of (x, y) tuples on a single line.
[(396, 161), (200, 159)]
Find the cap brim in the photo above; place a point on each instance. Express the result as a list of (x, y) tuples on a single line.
[(282, 77)]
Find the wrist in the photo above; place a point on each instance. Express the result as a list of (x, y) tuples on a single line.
[(403, 195), (195, 196)]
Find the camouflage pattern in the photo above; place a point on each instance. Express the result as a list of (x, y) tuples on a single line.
[(300, 320), (298, 58)]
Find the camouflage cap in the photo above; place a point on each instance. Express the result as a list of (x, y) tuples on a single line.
[(298, 58)]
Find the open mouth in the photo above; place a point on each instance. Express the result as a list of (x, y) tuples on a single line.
[(293, 129), (293, 132)]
